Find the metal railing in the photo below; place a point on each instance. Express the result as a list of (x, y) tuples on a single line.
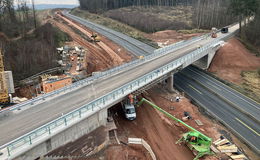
[(75, 116)]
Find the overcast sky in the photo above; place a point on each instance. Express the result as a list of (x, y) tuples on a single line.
[(54, 1)]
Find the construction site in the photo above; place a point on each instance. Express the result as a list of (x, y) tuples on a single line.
[(156, 129), (156, 123)]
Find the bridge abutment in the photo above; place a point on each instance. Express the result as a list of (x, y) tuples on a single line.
[(170, 82), (71, 134), (205, 61)]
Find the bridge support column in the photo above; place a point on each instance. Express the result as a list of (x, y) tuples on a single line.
[(170, 81)]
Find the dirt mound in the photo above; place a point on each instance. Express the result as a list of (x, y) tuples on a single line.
[(168, 37), (120, 152), (231, 59)]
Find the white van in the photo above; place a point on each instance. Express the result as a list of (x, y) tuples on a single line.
[(129, 111)]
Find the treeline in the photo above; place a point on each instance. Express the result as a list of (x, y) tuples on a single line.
[(250, 32), (206, 13), (97, 6), (27, 47), (16, 20), (212, 13), (33, 53)]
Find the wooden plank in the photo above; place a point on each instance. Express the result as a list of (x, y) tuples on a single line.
[(217, 141), (221, 142), (241, 156), (214, 149), (227, 146), (228, 154), (198, 122), (228, 150)]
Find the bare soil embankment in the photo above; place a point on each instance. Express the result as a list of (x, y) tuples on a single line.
[(234, 63)]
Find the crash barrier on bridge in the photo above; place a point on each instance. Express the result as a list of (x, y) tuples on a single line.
[(54, 127), (87, 81)]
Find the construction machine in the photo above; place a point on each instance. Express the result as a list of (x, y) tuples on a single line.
[(224, 30), (214, 32), (95, 37), (4, 97), (198, 143)]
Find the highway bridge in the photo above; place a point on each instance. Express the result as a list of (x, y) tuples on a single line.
[(23, 129)]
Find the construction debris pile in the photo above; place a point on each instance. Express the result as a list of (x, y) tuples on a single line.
[(223, 145), (73, 60)]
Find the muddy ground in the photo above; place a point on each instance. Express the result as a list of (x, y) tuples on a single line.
[(98, 58), (167, 37)]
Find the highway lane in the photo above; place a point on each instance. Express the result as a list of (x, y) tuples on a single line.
[(132, 45), (242, 126), (17, 125), (237, 100)]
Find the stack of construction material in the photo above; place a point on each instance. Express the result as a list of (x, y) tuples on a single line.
[(223, 145)]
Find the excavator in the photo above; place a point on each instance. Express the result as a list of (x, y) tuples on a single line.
[(197, 142), (95, 37)]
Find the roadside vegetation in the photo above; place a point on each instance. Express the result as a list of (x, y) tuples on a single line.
[(251, 82), (248, 34), (28, 45), (153, 19), (34, 52), (249, 87), (186, 14)]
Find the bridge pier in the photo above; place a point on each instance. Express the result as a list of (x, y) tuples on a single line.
[(170, 82)]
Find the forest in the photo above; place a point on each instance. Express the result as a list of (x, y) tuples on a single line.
[(205, 13), (28, 48)]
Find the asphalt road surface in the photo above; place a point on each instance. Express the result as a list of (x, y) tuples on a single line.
[(242, 125), (235, 99)]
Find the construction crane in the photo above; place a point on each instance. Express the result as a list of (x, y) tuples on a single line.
[(4, 97), (198, 143)]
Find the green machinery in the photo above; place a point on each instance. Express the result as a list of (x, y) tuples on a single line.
[(198, 143)]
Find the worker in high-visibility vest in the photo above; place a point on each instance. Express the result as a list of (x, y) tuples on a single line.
[(131, 98)]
